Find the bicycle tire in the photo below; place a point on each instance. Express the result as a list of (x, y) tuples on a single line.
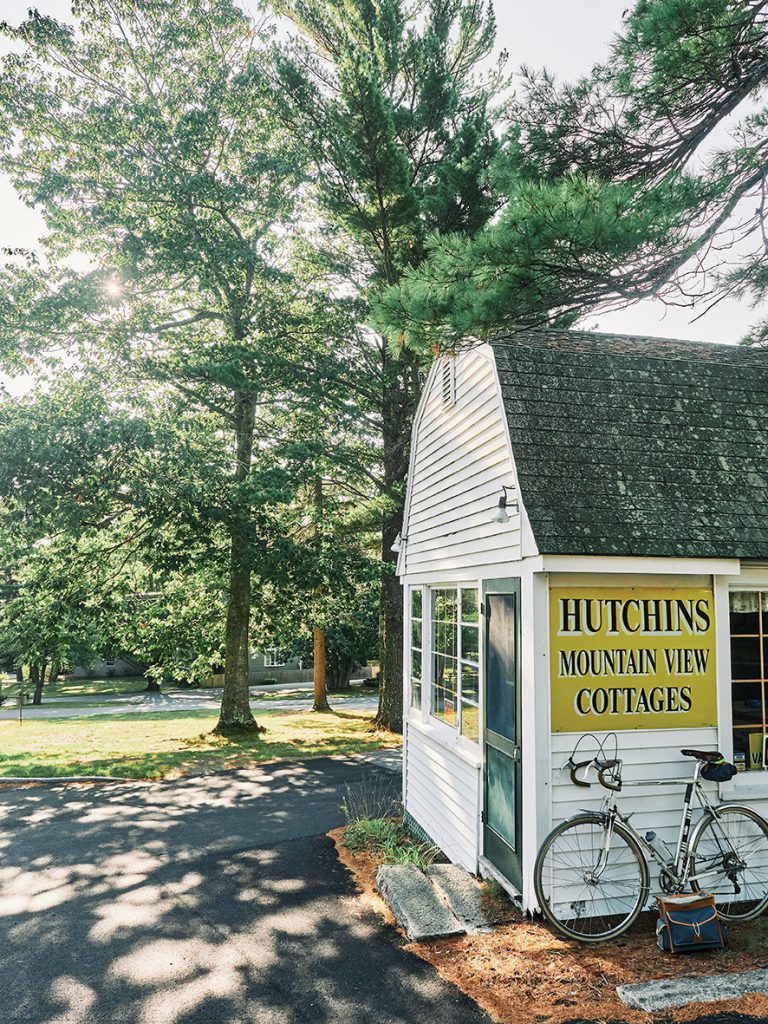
[(750, 846), (585, 926)]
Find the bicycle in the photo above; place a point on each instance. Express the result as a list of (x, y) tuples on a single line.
[(592, 877)]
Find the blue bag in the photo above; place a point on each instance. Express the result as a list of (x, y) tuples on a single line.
[(689, 922)]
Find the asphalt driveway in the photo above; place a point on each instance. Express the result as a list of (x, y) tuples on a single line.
[(216, 900)]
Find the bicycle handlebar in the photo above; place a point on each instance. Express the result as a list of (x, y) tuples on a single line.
[(615, 786), (602, 767), (577, 781)]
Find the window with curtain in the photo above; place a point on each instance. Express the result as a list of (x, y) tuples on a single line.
[(455, 659), (749, 659)]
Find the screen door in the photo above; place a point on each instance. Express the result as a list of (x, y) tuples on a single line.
[(502, 781)]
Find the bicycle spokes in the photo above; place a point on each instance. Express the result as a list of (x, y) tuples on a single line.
[(591, 890), (730, 860)]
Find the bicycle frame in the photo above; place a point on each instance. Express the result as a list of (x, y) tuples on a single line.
[(678, 868)]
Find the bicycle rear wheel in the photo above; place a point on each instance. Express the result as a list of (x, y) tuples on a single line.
[(729, 858), (583, 898)]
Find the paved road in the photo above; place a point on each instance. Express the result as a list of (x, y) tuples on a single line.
[(208, 901), (175, 700)]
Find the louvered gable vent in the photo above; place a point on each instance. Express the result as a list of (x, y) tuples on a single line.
[(448, 381)]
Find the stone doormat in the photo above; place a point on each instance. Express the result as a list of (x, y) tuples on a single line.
[(652, 996), (444, 900)]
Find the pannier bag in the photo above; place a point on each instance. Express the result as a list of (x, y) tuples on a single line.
[(718, 771), (689, 922)]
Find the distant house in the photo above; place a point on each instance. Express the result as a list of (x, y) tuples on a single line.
[(584, 551)]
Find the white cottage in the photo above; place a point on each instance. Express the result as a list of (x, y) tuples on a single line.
[(584, 550)]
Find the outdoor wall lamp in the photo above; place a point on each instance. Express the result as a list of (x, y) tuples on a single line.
[(397, 544), (501, 514)]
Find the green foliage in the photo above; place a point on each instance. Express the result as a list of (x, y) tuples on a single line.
[(554, 253), (609, 188), (390, 842), (397, 120), (394, 113), (679, 100), (150, 140)]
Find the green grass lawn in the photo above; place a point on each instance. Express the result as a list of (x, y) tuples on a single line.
[(170, 744), (95, 687)]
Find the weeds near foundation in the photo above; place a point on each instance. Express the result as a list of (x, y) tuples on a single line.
[(375, 814), (389, 841), (377, 797)]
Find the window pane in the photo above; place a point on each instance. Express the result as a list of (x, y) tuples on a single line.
[(470, 640), (416, 633), (416, 694), (748, 747), (445, 638), (444, 703), (416, 603), (470, 721), (745, 658), (445, 605), (747, 704), (469, 683), (469, 604), (744, 617), (416, 664), (445, 694)]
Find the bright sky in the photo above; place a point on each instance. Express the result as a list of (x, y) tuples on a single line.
[(567, 37)]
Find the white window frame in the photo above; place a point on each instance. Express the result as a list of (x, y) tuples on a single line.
[(271, 654), (412, 710), (745, 785), (760, 590), (428, 656)]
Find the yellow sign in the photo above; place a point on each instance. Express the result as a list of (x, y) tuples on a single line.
[(632, 658)]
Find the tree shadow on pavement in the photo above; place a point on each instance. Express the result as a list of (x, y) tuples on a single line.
[(215, 900)]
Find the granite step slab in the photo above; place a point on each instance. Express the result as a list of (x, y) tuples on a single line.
[(416, 903), (463, 894), (667, 993)]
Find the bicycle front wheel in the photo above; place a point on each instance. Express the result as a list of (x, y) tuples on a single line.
[(587, 892), (729, 858)]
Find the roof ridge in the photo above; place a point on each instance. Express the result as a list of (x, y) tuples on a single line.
[(642, 345)]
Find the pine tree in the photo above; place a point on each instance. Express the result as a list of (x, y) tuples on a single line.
[(613, 189), (395, 114)]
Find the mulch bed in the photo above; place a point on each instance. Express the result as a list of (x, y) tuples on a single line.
[(523, 973)]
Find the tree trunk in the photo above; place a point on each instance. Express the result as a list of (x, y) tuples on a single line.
[(20, 674), (400, 391), (153, 686), (37, 678), (338, 671), (321, 695), (235, 715)]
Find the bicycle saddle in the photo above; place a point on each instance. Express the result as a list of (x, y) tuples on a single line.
[(703, 755)]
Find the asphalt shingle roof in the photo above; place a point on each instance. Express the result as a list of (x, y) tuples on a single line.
[(638, 446)]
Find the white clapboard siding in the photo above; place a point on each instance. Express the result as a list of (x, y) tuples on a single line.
[(442, 792), (460, 460)]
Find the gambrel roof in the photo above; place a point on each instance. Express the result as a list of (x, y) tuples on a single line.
[(638, 446)]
